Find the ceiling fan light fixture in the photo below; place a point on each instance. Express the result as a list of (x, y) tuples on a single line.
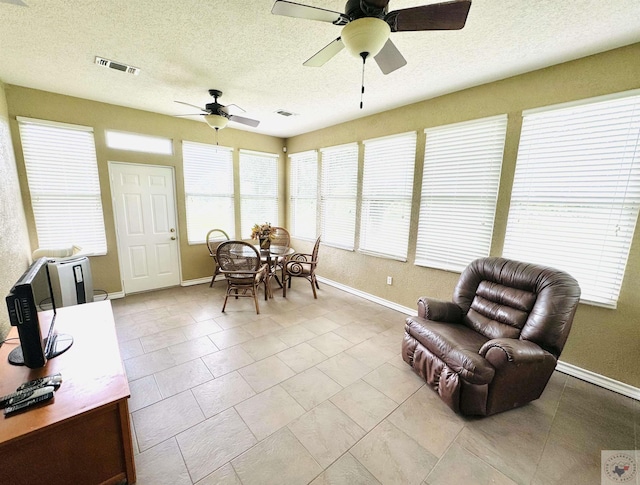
[(216, 122), (367, 34)]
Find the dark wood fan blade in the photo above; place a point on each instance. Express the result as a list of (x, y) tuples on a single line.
[(297, 10), (439, 16), (325, 54), (389, 58), (244, 121), (192, 105)]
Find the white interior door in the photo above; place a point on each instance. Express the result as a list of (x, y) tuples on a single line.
[(145, 213)]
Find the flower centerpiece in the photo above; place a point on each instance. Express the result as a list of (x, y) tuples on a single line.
[(263, 233)]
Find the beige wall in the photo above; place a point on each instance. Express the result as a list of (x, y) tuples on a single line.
[(195, 261), (603, 341), (14, 243)]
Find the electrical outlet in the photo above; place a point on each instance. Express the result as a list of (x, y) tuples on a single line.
[(389, 280)]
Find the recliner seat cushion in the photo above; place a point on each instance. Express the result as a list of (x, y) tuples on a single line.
[(456, 345)]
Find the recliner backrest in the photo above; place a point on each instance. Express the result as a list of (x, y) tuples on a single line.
[(502, 298)]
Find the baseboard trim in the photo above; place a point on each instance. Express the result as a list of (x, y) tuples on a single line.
[(564, 367), (199, 281)]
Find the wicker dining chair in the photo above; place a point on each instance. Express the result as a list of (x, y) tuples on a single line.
[(302, 265), (240, 264), (280, 237), (214, 238)]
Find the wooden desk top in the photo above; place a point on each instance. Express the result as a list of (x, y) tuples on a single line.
[(92, 372)]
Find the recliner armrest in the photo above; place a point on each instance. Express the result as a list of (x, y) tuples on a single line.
[(501, 350), (439, 310)]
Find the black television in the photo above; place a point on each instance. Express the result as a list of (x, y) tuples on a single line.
[(33, 310)]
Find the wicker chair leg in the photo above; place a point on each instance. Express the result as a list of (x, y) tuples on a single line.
[(255, 298), (313, 287)]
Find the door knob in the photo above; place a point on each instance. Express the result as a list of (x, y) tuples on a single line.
[(173, 238)]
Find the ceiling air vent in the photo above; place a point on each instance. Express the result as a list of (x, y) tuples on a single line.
[(118, 66), (283, 112)]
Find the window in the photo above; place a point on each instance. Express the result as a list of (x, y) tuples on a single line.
[(338, 192), (576, 192), (138, 143), (462, 164), (62, 173), (208, 189), (303, 194), (258, 189), (387, 187)]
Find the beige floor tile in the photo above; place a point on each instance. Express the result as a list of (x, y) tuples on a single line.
[(301, 357), (144, 392), (289, 318), (147, 364), (393, 382), (269, 411), (266, 373), (343, 369), (370, 354), (326, 432), (162, 465), (264, 326), (311, 387), (364, 404), (314, 310), (264, 346), (227, 360), (215, 441), (192, 349), (355, 333), (182, 377), (165, 419), (320, 325), (428, 420), (200, 329), (294, 335), (224, 475), (278, 460), (233, 320), (511, 442), (222, 393), (330, 344), (459, 467), (231, 337), (346, 471), (132, 348), (393, 457)]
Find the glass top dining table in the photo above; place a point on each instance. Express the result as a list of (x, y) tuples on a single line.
[(271, 256)]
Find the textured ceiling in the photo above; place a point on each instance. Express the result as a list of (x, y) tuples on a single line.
[(185, 47)]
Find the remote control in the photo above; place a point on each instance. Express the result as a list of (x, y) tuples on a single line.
[(18, 396), (41, 394), (52, 380)]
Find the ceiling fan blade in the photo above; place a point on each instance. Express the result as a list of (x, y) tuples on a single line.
[(389, 58), (438, 16), (15, 2), (297, 10), (193, 114), (325, 54), (243, 120), (192, 105)]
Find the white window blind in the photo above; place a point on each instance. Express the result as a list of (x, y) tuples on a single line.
[(208, 189), (338, 195), (258, 189), (387, 188), (62, 173), (303, 194), (460, 181), (576, 193)]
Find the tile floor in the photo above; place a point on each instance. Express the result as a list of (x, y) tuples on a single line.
[(315, 391)]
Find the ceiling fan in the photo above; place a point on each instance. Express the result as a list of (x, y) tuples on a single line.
[(216, 115), (368, 23)]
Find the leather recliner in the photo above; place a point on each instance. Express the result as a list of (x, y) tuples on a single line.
[(495, 346)]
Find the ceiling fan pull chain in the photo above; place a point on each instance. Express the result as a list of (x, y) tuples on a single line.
[(364, 59)]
